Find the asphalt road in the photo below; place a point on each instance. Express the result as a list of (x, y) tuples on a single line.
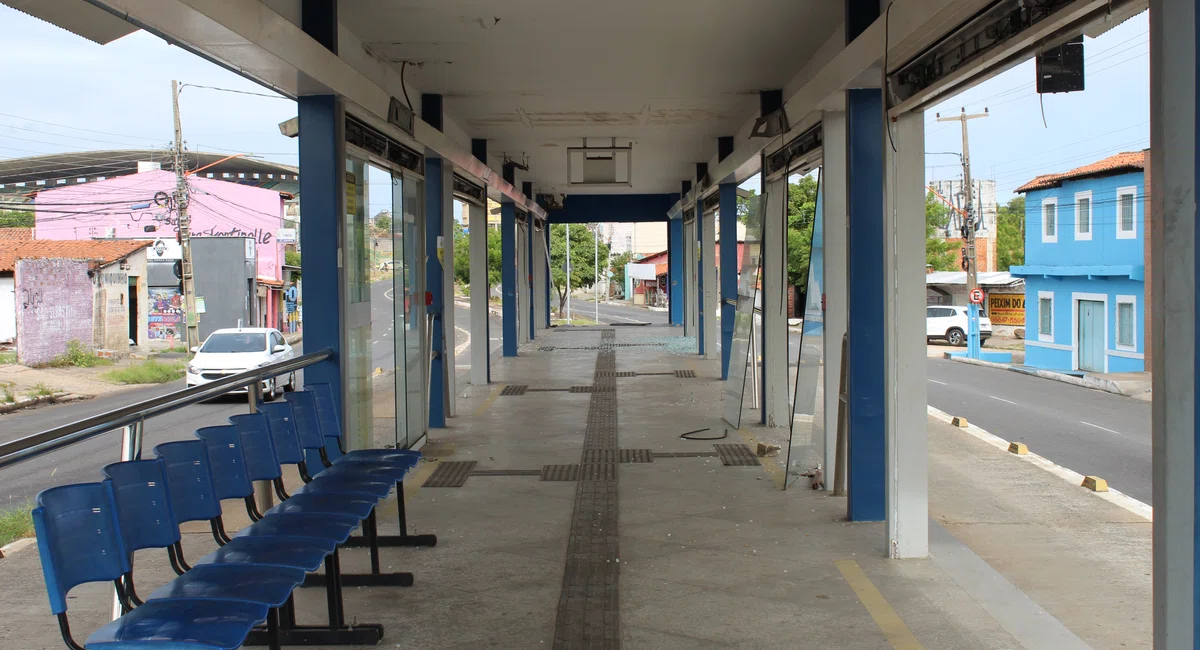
[(82, 462), (1089, 431)]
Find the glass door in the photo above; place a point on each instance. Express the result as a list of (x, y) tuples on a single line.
[(408, 237), (356, 305)]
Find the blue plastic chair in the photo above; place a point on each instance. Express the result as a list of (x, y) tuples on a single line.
[(147, 521), (331, 428), (80, 542), (372, 478)]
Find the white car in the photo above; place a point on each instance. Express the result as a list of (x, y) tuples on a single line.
[(231, 351), (949, 322)]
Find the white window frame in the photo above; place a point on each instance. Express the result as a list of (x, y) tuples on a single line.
[(1076, 297), (1127, 191), (1043, 295), (1125, 300), (1047, 238), (1080, 235)]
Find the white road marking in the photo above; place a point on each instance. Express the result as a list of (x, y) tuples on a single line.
[(388, 294), (1001, 399), (459, 350), (938, 382), (1100, 427)]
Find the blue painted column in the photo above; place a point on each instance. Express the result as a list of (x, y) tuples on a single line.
[(323, 158), (729, 270), (527, 190), (508, 276), (866, 362), (675, 269), (701, 172), (434, 279)]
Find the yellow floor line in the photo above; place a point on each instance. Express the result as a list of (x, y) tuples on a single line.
[(894, 629), (488, 402)]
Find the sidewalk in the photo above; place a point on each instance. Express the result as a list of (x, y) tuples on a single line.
[(1130, 384), (664, 546)]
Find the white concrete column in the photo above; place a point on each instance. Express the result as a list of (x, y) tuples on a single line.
[(833, 206), (904, 338), (777, 403), (1173, 328), (689, 278), (480, 289), (708, 266), (539, 278), (523, 282), (448, 286)]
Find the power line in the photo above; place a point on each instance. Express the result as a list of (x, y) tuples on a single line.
[(231, 90), (76, 128)]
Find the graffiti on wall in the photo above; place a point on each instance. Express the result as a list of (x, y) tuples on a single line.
[(54, 306), (166, 314)]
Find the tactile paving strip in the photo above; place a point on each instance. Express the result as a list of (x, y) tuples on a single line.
[(506, 472), (560, 472), (546, 348), (514, 389), (580, 389), (685, 374), (737, 455), (635, 456), (613, 374), (685, 454), (452, 473)]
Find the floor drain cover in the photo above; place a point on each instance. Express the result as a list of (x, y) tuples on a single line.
[(560, 472), (450, 474), (686, 454), (635, 456), (737, 455), (514, 389), (685, 374)]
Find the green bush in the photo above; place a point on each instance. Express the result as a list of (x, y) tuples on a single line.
[(8, 357), (8, 394), (78, 355), (150, 372), (41, 390), (16, 523)]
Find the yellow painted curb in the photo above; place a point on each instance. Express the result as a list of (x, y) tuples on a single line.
[(959, 422), (1095, 484), (1018, 448)]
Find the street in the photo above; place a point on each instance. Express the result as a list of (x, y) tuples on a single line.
[(1089, 431), (82, 462)]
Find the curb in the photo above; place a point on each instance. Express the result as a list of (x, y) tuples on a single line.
[(30, 402), (1087, 381), (1116, 497)]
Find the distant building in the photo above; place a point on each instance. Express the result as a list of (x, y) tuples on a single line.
[(984, 205), (1085, 267)]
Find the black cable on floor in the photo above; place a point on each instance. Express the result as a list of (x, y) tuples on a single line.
[(690, 435)]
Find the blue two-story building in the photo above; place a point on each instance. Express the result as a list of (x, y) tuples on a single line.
[(1084, 269)]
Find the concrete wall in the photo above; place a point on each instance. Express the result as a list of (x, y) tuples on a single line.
[(222, 274), (1059, 351), (110, 329), (54, 306), (8, 310)]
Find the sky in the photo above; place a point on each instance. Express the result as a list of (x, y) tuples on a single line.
[(64, 93)]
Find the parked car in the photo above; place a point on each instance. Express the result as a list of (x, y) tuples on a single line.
[(949, 322), (230, 351)]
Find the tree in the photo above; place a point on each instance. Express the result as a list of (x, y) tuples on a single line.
[(940, 254), (618, 269), (383, 221), (16, 219), (1010, 233), (583, 269), (462, 257), (292, 258), (802, 215)]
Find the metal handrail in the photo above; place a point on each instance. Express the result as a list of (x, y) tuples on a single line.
[(38, 444)]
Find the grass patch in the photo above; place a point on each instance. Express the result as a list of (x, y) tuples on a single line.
[(41, 390), (578, 321), (7, 394), (9, 357), (16, 523), (78, 355), (177, 348), (149, 372)]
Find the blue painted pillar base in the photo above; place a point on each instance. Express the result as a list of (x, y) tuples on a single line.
[(508, 277), (435, 277), (867, 406), (973, 331), (322, 154), (675, 270)]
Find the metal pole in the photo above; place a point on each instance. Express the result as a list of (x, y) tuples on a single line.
[(131, 449), (262, 489), (596, 273), (185, 228), (568, 270), (968, 230)]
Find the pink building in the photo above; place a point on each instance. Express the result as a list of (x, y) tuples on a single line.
[(138, 207)]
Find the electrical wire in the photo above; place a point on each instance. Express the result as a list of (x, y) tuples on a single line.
[(231, 90), (887, 101)]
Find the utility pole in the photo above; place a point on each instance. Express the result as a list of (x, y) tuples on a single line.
[(568, 269), (596, 271), (968, 231), (185, 228)]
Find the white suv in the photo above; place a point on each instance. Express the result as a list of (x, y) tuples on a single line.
[(949, 322)]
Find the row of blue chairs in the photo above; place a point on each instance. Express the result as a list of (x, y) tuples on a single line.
[(242, 592)]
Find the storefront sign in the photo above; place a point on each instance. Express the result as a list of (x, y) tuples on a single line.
[(165, 318), (1007, 309)]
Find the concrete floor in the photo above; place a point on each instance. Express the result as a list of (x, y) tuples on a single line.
[(710, 556)]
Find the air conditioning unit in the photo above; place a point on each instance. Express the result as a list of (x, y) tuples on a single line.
[(600, 166)]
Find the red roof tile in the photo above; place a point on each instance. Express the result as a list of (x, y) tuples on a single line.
[(99, 252), (16, 234), (1122, 162)]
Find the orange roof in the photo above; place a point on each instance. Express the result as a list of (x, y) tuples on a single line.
[(98, 252), (1122, 162), (660, 269), (16, 234)]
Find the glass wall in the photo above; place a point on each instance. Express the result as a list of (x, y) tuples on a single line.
[(408, 237), (357, 370)]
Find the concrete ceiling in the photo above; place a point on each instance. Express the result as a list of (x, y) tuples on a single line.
[(536, 76)]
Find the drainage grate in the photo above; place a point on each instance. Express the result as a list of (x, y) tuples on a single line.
[(685, 454), (547, 390), (450, 474), (506, 472), (635, 456), (685, 374), (737, 455), (514, 389), (560, 472)]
